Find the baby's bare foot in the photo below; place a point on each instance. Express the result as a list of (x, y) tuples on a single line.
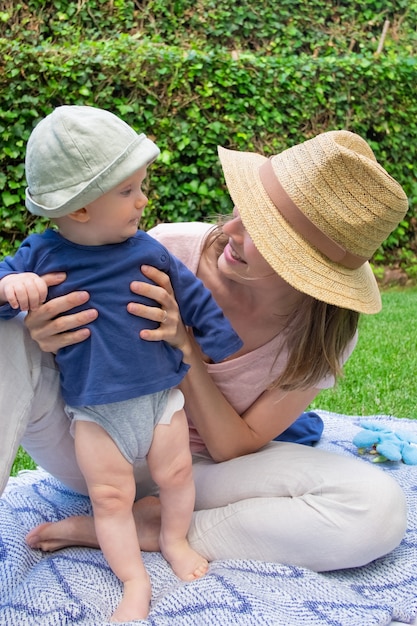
[(135, 602), (186, 562)]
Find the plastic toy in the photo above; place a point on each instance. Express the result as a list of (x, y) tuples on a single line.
[(386, 445)]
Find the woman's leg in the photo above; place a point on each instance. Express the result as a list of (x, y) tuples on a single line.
[(19, 372), (286, 503), (297, 505), (31, 408)]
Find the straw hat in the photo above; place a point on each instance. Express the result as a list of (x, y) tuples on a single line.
[(317, 213), (78, 153)]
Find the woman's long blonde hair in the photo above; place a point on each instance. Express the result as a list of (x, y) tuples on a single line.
[(316, 335)]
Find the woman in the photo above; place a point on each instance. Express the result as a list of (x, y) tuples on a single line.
[(290, 271)]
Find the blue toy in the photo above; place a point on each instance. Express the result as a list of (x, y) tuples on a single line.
[(386, 445)]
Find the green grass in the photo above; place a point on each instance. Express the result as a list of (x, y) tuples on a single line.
[(380, 374), (22, 461)]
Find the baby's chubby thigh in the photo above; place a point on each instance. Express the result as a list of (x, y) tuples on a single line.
[(131, 424)]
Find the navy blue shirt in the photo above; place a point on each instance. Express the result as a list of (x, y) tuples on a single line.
[(115, 364)]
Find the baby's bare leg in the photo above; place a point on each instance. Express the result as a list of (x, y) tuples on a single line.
[(170, 464), (111, 486)]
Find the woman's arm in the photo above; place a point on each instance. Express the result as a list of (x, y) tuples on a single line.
[(225, 433), (52, 332)]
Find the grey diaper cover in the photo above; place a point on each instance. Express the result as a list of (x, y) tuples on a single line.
[(131, 423)]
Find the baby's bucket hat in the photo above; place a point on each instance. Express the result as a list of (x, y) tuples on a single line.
[(78, 153), (317, 213)]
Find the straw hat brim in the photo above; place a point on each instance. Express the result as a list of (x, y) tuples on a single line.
[(287, 252)]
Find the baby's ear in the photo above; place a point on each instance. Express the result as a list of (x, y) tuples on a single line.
[(81, 215)]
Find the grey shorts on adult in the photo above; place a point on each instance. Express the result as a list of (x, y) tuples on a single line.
[(131, 423)]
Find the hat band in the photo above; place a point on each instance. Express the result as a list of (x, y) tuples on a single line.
[(302, 224)]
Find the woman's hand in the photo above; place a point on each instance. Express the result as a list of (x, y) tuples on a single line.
[(171, 328), (52, 332)]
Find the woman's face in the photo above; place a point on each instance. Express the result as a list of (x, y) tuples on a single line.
[(240, 257)]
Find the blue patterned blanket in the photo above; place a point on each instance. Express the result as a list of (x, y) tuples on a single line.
[(75, 586)]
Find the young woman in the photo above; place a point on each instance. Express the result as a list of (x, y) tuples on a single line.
[(290, 271)]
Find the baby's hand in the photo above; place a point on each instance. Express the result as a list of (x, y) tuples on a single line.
[(27, 290)]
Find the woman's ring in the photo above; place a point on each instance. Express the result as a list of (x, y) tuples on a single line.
[(164, 319)]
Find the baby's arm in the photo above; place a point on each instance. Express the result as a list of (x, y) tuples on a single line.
[(26, 291)]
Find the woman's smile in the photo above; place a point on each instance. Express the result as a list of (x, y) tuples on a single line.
[(231, 256)]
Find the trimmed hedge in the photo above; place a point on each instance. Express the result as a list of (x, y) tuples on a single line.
[(192, 94), (287, 26)]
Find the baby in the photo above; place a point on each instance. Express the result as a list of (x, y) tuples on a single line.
[(85, 170)]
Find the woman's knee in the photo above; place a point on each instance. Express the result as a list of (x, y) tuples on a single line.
[(378, 520), (389, 513)]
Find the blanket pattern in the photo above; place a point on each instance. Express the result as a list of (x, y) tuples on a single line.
[(76, 586)]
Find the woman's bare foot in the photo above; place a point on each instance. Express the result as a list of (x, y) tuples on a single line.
[(186, 563), (135, 602), (72, 531), (80, 530)]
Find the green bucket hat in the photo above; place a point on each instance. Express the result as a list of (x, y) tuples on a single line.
[(78, 153)]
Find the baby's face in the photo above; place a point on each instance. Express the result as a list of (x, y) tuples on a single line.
[(115, 216)]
